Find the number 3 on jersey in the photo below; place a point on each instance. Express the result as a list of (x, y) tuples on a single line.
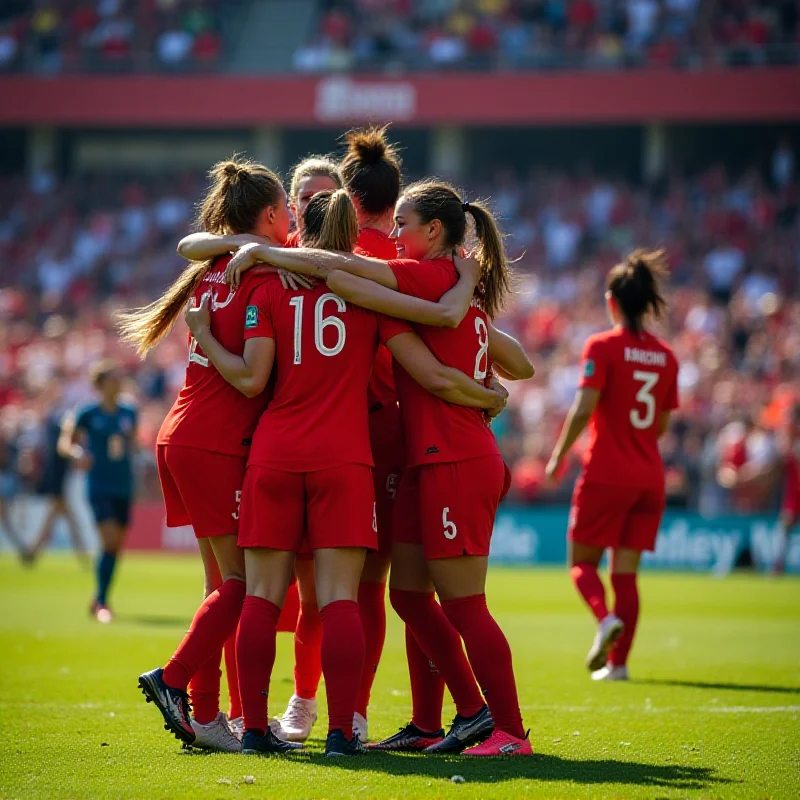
[(320, 323), (644, 396)]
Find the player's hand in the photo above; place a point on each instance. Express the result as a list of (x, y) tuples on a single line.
[(198, 318), (502, 398), (468, 268), (245, 258), (553, 469), (727, 477), (294, 282), (84, 461)]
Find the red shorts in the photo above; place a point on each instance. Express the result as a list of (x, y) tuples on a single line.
[(201, 489), (604, 515), (389, 452), (450, 508), (336, 506)]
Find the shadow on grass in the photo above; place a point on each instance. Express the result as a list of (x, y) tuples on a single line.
[(538, 767), (735, 687), (152, 620)]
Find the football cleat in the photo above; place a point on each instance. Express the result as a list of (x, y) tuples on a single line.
[(216, 735), (254, 744), (465, 732), (608, 631), (337, 746), (410, 739), (101, 613), (172, 703), (236, 724), (501, 743), (298, 719), (611, 673), (360, 727)]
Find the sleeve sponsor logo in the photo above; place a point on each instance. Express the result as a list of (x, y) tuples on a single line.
[(251, 317), (588, 368)]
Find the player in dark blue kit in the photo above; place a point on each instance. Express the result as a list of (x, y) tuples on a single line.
[(102, 440)]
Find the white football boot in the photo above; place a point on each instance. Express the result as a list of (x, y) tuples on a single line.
[(608, 631), (216, 735), (611, 673), (298, 719), (360, 727)]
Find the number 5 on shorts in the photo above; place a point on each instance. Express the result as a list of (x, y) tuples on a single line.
[(450, 530)]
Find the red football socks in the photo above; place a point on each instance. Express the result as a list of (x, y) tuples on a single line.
[(235, 709), (626, 607), (342, 662), (204, 690), (440, 641), (427, 687), (307, 655), (255, 657), (372, 606), (588, 583), (213, 623), (490, 657)]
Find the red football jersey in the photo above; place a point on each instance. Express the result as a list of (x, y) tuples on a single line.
[(375, 244), (437, 431), (637, 377), (209, 413), (324, 349)]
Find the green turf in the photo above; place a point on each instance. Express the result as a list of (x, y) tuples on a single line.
[(713, 711)]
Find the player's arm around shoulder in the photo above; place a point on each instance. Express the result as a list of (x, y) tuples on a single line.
[(508, 356)]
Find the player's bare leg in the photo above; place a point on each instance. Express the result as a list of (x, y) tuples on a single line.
[(301, 713), (584, 561), (338, 573), (461, 585), (12, 534)]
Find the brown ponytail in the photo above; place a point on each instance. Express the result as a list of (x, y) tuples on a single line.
[(371, 169), (635, 284), (330, 222), (495, 283), (239, 192), (437, 200)]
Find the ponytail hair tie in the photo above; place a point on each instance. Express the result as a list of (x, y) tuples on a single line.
[(465, 207)]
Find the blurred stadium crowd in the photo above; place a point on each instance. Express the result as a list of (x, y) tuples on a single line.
[(71, 253), (50, 36), (515, 34)]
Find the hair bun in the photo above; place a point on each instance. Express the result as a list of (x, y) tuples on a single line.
[(230, 169), (368, 145)]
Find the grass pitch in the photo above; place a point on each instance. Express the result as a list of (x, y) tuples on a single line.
[(713, 710)]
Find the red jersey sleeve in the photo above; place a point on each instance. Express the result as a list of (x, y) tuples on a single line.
[(594, 365), (389, 327), (421, 279), (258, 317)]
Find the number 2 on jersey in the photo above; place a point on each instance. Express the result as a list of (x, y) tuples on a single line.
[(644, 396), (482, 359), (320, 323)]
